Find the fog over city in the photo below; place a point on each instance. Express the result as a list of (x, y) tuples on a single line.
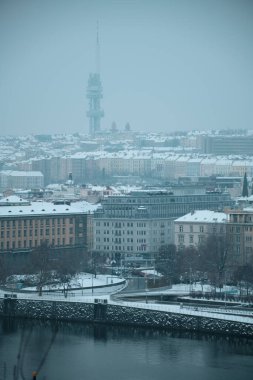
[(164, 65)]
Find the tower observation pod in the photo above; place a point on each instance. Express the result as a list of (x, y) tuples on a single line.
[(94, 94)]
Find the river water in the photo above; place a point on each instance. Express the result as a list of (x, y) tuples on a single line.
[(67, 351)]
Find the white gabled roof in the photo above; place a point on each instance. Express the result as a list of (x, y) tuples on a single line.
[(203, 216)]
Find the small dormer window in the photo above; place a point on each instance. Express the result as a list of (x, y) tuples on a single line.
[(9, 211), (20, 210), (43, 209)]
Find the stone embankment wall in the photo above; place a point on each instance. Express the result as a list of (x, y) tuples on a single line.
[(119, 314)]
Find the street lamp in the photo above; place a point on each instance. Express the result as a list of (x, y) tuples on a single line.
[(146, 289)]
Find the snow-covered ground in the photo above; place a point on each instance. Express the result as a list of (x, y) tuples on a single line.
[(150, 272), (89, 295), (82, 284), (81, 281)]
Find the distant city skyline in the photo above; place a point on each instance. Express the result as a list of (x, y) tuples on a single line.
[(165, 65)]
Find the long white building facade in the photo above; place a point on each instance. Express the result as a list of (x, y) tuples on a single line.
[(140, 222)]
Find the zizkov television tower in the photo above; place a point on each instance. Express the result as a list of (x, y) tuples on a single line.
[(94, 94)]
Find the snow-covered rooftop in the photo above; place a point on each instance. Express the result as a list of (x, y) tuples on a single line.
[(13, 200), (46, 208), (203, 216), (21, 173)]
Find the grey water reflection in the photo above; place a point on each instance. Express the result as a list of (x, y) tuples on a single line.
[(72, 350)]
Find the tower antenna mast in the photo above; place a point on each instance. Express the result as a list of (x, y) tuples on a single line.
[(97, 51), (94, 95)]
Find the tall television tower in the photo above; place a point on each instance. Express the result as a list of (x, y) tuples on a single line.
[(94, 94)]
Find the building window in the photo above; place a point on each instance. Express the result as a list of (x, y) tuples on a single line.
[(201, 229), (181, 228)]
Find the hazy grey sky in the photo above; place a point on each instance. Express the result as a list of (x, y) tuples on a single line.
[(165, 65)]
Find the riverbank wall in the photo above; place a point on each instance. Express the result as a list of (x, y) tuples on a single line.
[(103, 312)]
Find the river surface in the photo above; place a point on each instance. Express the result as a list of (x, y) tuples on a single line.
[(68, 351)]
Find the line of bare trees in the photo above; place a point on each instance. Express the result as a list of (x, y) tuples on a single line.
[(44, 267), (211, 262)]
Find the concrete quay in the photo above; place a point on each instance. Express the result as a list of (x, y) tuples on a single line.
[(104, 309)]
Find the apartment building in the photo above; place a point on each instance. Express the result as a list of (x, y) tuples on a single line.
[(26, 225), (140, 222), (193, 229), (221, 145), (240, 231), (14, 179)]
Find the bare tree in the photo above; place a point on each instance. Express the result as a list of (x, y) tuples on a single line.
[(66, 267), (3, 270), (166, 261), (243, 275), (42, 266), (188, 264), (214, 258)]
